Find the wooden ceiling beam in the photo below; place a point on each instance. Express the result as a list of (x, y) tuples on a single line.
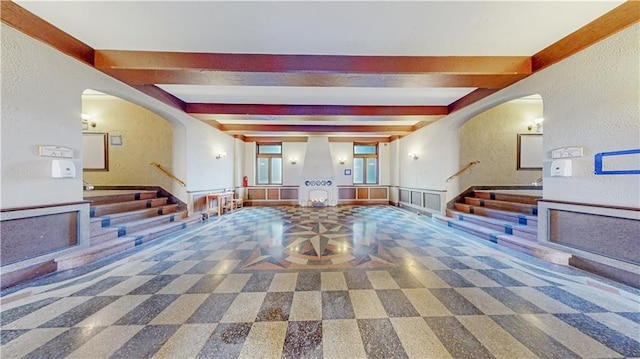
[(313, 110), (157, 60), (162, 95), (621, 17), (316, 129), (383, 139), (22, 20), (237, 78), (467, 100)]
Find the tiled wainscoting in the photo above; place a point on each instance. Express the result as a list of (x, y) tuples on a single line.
[(272, 196), (602, 240), (423, 200), (33, 237), (363, 195)]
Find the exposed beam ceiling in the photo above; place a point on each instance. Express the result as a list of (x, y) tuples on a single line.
[(408, 71)]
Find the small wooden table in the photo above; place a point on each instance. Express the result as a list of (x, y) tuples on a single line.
[(220, 198)]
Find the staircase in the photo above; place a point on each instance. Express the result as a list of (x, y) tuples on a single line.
[(120, 220), (508, 218)]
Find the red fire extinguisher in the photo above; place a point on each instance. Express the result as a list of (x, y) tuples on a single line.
[(245, 181)]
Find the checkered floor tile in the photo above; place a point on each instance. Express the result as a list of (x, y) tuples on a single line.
[(343, 282)]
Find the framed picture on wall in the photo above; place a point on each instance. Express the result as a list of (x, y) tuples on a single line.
[(95, 152), (530, 151)]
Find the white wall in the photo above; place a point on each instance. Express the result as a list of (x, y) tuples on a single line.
[(342, 150), (41, 105), (590, 99), (291, 173)]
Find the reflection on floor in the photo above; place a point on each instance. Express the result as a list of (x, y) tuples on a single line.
[(344, 282)]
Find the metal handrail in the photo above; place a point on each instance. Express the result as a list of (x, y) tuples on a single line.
[(469, 165), (167, 173)]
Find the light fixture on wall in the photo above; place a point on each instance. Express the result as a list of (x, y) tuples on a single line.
[(537, 123), (293, 160), (86, 122), (221, 155), (413, 155), (342, 160)]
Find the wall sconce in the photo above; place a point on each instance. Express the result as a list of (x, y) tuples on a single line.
[(413, 155), (342, 160), (86, 121), (537, 123), (293, 160), (221, 155)]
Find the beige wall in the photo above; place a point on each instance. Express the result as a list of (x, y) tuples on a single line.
[(590, 100), (491, 138), (146, 137)]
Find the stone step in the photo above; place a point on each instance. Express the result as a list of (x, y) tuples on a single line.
[(103, 234), (123, 217), (475, 229), (496, 213), (120, 197), (528, 209), (499, 225), (507, 197), (110, 208), (534, 249), (94, 253), (120, 244), (522, 245), (141, 224)]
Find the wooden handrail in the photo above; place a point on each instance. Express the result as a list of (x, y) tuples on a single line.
[(469, 165), (167, 173)]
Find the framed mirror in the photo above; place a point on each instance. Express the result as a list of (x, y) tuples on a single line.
[(530, 151), (95, 151)]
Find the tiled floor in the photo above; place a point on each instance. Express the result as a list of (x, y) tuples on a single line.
[(347, 282)]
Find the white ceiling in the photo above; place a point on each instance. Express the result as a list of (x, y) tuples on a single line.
[(420, 28), (388, 28)]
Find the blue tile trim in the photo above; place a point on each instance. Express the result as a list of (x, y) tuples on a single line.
[(172, 218), (482, 203), (508, 229), (522, 220), (149, 204), (136, 196), (535, 211), (184, 225), (492, 195), (122, 231), (106, 222), (92, 212), (139, 240), (471, 209), (493, 238), (461, 217)]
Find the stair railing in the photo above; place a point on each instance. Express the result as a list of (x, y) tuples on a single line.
[(465, 168), (167, 173)]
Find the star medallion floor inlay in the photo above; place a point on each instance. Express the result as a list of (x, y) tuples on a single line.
[(321, 244)]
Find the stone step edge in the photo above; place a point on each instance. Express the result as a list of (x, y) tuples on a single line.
[(116, 198), (519, 218), (529, 209), (108, 217), (128, 241), (516, 243), (509, 227)]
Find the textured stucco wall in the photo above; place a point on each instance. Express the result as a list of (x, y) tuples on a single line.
[(41, 104), (145, 134), (590, 99), (491, 138)]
